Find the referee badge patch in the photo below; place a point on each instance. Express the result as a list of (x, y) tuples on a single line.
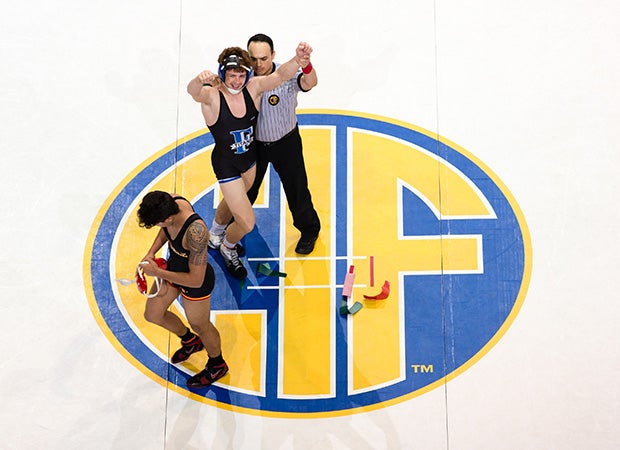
[(274, 100)]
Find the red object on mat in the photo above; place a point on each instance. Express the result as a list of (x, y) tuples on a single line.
[(385, 292)]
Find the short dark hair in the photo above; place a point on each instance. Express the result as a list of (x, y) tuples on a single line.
[(156, 206), (260, 37)]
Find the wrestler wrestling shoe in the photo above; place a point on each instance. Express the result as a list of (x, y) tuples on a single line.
[(233, 263), (187, 348), (209, 375), (216, 240)]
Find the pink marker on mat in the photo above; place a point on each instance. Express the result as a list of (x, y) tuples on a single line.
[(348, 282), (372, 271)]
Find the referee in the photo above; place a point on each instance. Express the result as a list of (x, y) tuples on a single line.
[(279, 141)]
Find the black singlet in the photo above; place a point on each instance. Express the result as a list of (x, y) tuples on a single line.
[(178, 261), (235, 146)]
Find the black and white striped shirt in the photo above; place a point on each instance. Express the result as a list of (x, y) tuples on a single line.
[(277, 115)]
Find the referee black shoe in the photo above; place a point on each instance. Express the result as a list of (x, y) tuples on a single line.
[(305, 245)]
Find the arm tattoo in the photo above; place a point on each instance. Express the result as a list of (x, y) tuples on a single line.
[(197, 239)]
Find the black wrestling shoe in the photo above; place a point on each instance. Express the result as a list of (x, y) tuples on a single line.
[(233, 263), (306, 244), (188, 348), (208, 376), (240, 250)]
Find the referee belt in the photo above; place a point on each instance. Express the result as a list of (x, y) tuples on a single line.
[(287, 135)]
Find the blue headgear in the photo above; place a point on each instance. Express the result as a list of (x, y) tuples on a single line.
[(232, 62)]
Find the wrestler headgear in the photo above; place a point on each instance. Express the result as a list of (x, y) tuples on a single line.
[(141, 282), (232, 62)]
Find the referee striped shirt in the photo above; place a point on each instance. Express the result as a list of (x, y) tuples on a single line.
[(277, 115)]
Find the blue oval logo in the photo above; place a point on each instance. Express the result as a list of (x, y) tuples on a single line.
[(439, 250)]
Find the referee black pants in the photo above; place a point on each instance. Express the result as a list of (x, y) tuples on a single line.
[(286, 156)]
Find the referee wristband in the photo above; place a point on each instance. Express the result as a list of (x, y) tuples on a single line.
[(307, 69)]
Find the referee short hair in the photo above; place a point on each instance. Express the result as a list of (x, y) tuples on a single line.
[(260, 37)]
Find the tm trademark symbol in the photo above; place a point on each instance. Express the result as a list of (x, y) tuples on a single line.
[(421, 368)]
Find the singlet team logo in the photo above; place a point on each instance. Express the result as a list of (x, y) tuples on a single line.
[(242, 140), (397, 203)]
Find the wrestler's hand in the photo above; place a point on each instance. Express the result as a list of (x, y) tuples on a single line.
[(149, 267), (208, 77)]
